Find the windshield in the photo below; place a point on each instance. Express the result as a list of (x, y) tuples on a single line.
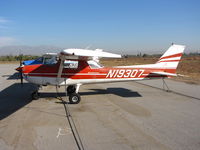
[(50, 60), (40, 60)]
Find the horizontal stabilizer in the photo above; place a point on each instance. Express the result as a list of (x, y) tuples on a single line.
[(164, 73)]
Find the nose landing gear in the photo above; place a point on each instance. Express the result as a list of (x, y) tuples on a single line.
[(35, 95)]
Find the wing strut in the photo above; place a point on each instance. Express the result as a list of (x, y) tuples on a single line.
[(60, 70)]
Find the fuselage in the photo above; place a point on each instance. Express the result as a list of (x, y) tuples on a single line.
[(85, 72)]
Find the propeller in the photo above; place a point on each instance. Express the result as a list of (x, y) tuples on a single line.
[(20, 70)]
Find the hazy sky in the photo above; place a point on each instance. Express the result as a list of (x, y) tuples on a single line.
[(121, 25)]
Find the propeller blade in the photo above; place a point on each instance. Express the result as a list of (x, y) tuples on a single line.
[(20, 71), (20, 60), (21, 77)]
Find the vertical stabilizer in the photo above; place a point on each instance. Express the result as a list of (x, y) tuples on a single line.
[(171, 58)]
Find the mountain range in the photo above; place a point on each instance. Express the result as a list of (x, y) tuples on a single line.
[(28, 50)]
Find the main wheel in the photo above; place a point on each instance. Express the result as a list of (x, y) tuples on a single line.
[(71, 89), (74, 98), (35, 95)]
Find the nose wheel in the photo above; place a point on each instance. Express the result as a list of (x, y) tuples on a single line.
[(35, 95)]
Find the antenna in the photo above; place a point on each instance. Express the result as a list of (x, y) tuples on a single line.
[(88, 46)]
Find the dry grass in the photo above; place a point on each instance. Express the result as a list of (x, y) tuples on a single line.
[(9, 62), (128, 61), (189, 66)]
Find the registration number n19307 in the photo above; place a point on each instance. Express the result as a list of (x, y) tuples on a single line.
[(125, 73)]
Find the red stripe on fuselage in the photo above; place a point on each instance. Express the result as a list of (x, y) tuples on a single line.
[(101, 73)]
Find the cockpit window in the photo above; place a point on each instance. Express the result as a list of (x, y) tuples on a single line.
[(72, 64), (50, 60), (40, 60), (94, 65)]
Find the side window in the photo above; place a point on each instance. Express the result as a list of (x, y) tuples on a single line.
[(72, 64)]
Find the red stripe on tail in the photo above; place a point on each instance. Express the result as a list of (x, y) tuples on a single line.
[(171, 56)]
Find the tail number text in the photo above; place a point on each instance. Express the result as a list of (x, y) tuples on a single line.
[(122, 73)]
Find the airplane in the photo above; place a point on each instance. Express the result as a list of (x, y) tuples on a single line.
[(75, 67)]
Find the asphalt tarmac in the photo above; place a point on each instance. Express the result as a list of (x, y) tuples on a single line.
[(112, 116)]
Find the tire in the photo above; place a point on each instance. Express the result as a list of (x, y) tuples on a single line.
[(71, 89), (35, 95), (74, 98)]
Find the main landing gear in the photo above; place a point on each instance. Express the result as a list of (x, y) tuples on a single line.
[(72, 92)]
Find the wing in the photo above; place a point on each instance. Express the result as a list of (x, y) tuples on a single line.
[(82, 54), (87, 54)]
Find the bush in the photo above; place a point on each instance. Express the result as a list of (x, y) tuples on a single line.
[(17, 58)]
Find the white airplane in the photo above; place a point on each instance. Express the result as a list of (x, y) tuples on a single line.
[(75, 67)]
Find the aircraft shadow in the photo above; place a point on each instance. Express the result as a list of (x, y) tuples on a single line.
[(122, 92), (14, 97), (14, 76), (52, 94)]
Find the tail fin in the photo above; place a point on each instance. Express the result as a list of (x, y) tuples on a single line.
[(171, 58)]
